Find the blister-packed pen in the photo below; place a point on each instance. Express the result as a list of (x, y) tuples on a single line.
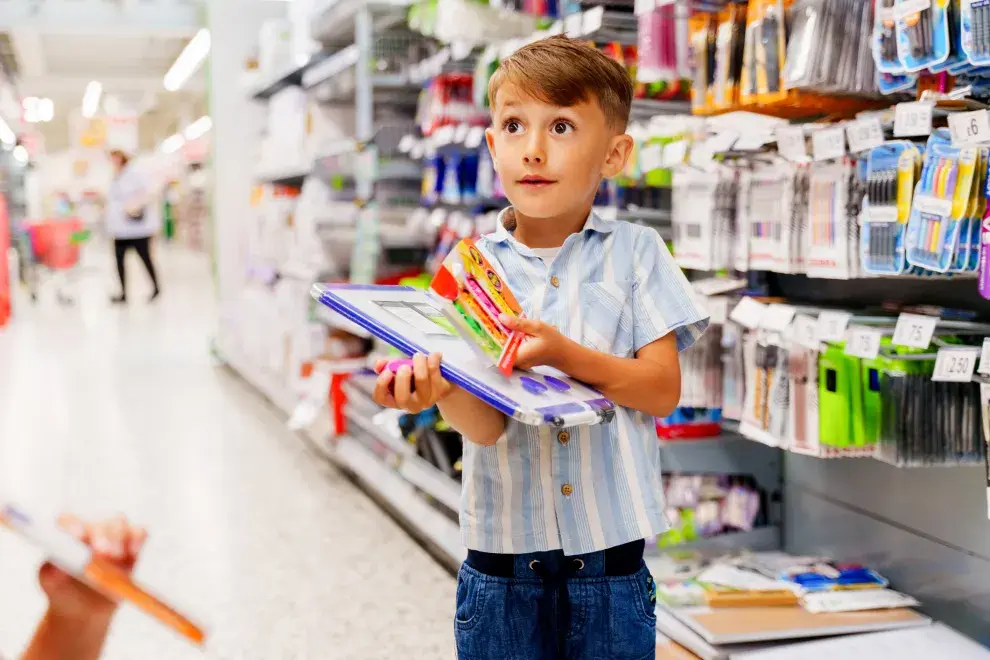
[(956, 61), (730, 39), (922, 33), (893, 83), (747, 79), (983, 269), (892, 170), (964, 246), (803, 43), (885, 38), (940, 202), (702, 42), (975, 29), (770, 52)]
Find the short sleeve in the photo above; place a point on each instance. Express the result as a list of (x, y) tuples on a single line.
[(663, 300)]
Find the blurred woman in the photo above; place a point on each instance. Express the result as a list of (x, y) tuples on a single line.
[(132, 219)]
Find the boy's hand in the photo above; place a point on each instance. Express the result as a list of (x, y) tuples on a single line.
[(115, 541), (430, 386), (545, 346)]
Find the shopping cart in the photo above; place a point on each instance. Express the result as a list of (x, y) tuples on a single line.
[(52, 246)]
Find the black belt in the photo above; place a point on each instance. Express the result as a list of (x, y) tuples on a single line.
[(623, 559)]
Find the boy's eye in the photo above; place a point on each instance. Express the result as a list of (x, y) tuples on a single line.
[(562, 128), (512, 126)]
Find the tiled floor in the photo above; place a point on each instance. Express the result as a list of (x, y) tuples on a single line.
[(105, 410)]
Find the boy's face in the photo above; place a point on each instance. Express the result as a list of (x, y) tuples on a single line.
[(551, 159)]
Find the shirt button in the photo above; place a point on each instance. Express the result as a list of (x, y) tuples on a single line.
[(563, 437), (555, 281), (567, 489)]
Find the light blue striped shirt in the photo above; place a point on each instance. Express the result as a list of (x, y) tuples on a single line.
[(613, 287)]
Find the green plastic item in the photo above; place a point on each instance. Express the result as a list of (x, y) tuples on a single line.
[(836, 376)]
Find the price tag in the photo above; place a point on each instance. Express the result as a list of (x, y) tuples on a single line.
[(969, 129), (914, 330), (592, 21), (748, 313), (461, 133), (674, 152), (722, 142), (641, 7), (791, 145), (701, 154), (912, 119), (864, 134), (933, 205), (955, 364), (985, 358), (573, 25), (718, 309), (651, 157), (828, 143), (863, 342), (474, 137), (803, 332), (831, 326), (881, 213), (777, 317)]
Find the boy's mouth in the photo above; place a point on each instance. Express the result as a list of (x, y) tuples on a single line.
[(534, 181)]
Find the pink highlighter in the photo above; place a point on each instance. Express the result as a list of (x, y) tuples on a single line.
[(393, 366)]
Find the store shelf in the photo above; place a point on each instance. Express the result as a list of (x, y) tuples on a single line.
[(729, 453), (432, 526), (287, 176), (288, 78), (334, 21), (646, 108), (277, 393), (431, 481), (759, 539), (394, 443)]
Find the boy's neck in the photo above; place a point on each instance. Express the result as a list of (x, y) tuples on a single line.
[(539, 233)]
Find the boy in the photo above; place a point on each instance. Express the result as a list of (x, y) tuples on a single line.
[(554, 519)]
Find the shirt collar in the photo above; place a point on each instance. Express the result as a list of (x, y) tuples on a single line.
[(593, 223)]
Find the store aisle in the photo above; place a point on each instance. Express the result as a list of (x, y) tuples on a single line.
[(105, 410)]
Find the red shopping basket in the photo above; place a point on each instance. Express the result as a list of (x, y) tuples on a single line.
[(55, 242)]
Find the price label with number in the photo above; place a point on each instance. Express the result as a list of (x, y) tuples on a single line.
[(674, 152), (828, 143), (912, 119), (748, 313), (831, 326), (777, 317), (651, 157), (955, 364), (863, 342), (985, 358), (791, 144), (969, 129), (864, 134), (914, 330), (803, 332)]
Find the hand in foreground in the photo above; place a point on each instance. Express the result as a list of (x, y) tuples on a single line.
[(115, 541), (544, 346), (430, 386)]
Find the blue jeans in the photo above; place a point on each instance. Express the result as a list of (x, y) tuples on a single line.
[(556, 607)]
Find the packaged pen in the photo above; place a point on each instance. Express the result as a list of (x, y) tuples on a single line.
[(983, 269), (76, 559), (729, 55), (922, 30), (885, 38), (702, 46), (956, 60), (770, 51), (941, 200), (891, 83), (748, 77), (892, 170), (975, 29)]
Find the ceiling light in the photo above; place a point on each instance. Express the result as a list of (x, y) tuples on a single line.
[(173, 144), (21, 154), (91, 99), (198, 128), (188, 61), (7, 136)]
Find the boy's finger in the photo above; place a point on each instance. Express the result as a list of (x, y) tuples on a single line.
[(529, 326), (73, 526), (381, 394), (437, 382), (138, 537), (403, 382), (380, 365)]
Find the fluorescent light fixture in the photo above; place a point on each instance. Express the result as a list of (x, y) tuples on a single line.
[(7, 136), (198, 128), (21, 154), (188, 61), (91, 99), (173, 144)]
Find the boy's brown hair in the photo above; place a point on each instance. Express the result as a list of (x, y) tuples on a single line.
[(565, 72)]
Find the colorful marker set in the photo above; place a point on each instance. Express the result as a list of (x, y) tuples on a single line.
[(891, 173), (477, 296), (943, 198)]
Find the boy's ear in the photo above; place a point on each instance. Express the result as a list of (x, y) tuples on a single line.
[(619, 149), (490, 139)]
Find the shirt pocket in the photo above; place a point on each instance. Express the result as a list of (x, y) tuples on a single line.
[(606, 310)]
